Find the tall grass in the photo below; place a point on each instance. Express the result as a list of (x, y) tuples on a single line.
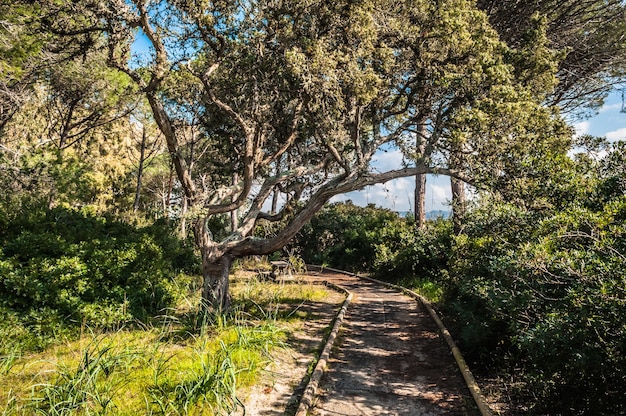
[(117, 374), (182, 363), (9, 360), (220, 364), (89, 386)]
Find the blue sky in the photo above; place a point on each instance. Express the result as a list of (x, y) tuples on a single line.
[(397, 195)]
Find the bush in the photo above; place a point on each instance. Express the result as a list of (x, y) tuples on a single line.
[(418, 254), (348, 237), (545, 299), (66, 268)]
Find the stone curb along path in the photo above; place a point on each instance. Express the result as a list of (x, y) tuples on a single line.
[(311, 388), (413, 387)]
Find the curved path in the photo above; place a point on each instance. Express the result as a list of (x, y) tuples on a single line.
[(389, 359)]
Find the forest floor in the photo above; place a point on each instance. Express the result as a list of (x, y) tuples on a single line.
[(387, 360)]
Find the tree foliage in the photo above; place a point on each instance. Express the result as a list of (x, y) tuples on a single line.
[(589, 34), (259, 100)]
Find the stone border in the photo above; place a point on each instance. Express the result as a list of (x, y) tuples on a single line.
[(468, 377), (311, 388)]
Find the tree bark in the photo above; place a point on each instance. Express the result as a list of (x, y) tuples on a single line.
[(183, 217), (420, 201), (458, 203), (215, 270), (168, 198), (142, 156), (420, 180)]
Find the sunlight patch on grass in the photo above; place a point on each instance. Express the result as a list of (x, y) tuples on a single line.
[(132, 372), (181, 363), (433, 292)]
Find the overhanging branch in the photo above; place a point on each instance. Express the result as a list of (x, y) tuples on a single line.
[(337, 186)]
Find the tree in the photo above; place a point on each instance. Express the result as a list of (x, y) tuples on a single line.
[(589, 34), (17, 51), (146, 137), (296, 97), (66, 143)]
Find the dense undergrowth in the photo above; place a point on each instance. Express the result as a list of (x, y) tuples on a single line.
[(181, 362), (533, 289), (102, 317), (64, 269)]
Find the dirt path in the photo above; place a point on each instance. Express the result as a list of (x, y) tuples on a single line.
[(389, 360)]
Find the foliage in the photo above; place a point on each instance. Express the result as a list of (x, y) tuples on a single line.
[(348, 237), (165, 367), (421, 256), (540, 293), (587, 34), (62, 268), (291, 101)]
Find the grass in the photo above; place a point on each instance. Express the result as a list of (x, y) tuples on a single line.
[(181, 364), (432, 291)]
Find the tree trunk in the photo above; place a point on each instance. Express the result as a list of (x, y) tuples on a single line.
[(183, 217), (142, 156), (215, 270), (420, 201), (458, 203), (276, 191), (170, 186), (420, 180)]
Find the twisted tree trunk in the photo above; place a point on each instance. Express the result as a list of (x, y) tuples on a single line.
[(215, 269)]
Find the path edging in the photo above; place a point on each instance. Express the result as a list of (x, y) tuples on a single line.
[(311, 388), (470, 381)]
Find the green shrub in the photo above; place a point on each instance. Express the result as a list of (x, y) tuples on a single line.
[(62, 268), (544, 299), (348, 237), (418, 257)]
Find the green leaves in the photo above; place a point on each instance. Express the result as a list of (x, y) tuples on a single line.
[(348, 237), (87, 270), (539, 290)]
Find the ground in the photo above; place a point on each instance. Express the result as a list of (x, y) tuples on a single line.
[(388, 360)]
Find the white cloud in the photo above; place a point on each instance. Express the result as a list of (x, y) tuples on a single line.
[(389, 160), (440, 193), (616, 134), (582, 127), (398, 195), (610, 107)]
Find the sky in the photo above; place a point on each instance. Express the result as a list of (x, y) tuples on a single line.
[(397, 195)]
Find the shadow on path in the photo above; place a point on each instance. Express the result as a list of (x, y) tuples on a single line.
[(389, 360)]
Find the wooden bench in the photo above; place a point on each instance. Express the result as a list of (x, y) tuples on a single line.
[(280, 268)]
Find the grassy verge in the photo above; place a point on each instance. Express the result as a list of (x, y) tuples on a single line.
[(429, 289), (179, 365)]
